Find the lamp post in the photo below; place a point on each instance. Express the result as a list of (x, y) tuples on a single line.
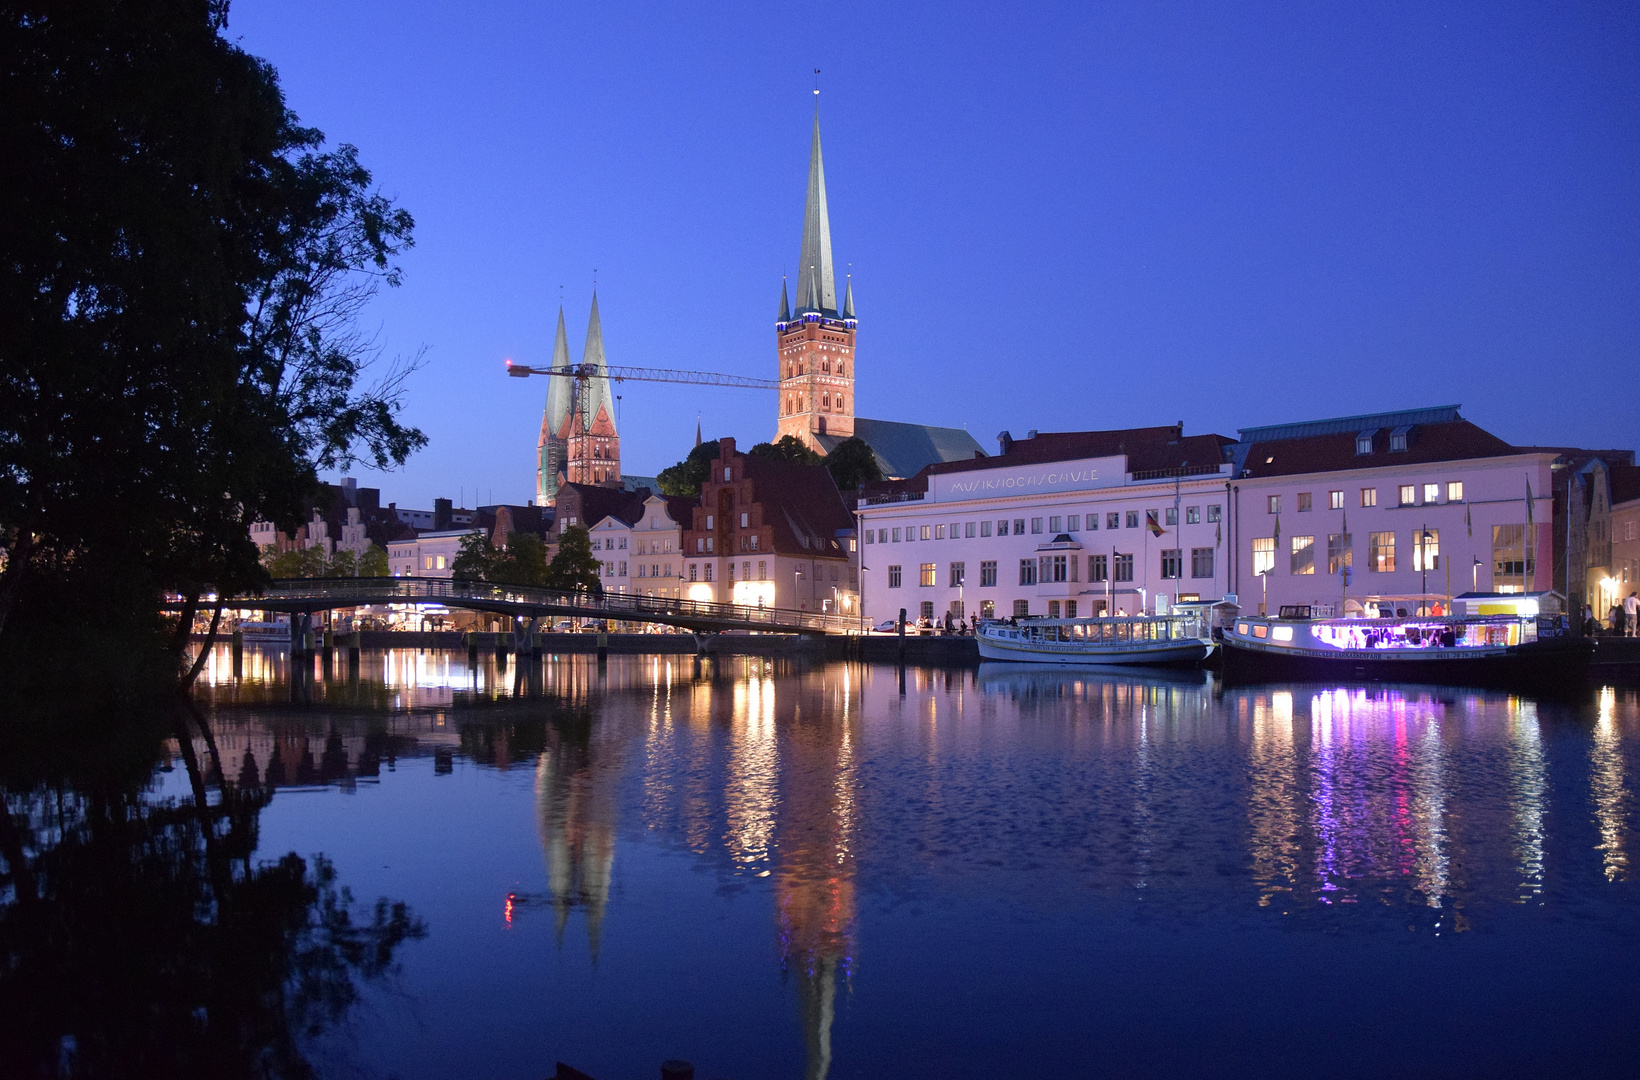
[(1423, 566), (797, 575)]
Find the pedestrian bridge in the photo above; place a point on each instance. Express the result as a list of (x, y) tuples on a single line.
[(298, 595)]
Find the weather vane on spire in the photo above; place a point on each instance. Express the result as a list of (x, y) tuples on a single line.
[(816, 82)]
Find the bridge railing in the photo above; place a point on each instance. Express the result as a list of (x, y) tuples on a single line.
[(622, 607)]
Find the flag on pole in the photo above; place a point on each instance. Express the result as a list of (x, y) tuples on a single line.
[(1218, 535), (1152, 524), (1277, 537)]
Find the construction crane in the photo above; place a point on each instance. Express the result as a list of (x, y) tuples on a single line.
[(585, 373), (582, 372)]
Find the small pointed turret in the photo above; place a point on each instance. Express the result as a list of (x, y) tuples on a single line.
[(848, 299), (785, 315)]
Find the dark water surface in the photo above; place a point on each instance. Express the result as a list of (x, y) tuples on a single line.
[(779, 870)]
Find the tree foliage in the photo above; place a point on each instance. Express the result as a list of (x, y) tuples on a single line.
[(182, 265), (787, 448), (474, 557), (686, 477), (852, 463), (313, 563), (522, 562), (573, 567)]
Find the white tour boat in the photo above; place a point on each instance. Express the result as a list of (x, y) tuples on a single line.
[(1116, 640)]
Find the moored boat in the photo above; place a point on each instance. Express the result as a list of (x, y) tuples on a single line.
[(1466, 650), (1117, 640)]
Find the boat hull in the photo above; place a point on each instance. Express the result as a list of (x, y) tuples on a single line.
[(1553, 662), (1182, 653)]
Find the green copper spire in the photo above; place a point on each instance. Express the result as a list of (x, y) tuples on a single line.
[(814, 263)]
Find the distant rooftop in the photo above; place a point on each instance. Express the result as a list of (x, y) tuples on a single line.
[(906, 449), (1439, 414)]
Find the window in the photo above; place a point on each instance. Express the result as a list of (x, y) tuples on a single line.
[(988, 573), (939, 532), (1070, 609), (1133, 519), (896, 536), (726, 474), (1113, 521), (1123, 565), (709, 541), (1192, 515), (958, 575), (1019, 526), (623, 570), (924, 533), (1172, 518), (1201, 562), (1304, 503), (1036, 526), (1053, 609), (708, 521), (985, 528), (1097, 568), (1214, 512), (1273, 503), (1369, 496), (1303, 555), (1454, 491), (426, 562), (1093, 521), (441, 562), (1432, 493), (1172, 563), (1509, 558), (1381, 552), (956, 529), (968, 529), (1264, 554), (987, 609), (693, 568), (1407, 495), (1363, 441), (1335, 500), (894, 577), (1340, 552), (642, 570), (1051, 568), (1398, 439), (927, 609), (1027, 571), (1074, 568), (1022, 608), (1073, 523), (955, 608), (1055, 525), (729, 572), (925, 574), (1426, 549), (708, 572)]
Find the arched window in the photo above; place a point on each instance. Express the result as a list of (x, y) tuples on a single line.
[(841, 368), (825, 401)]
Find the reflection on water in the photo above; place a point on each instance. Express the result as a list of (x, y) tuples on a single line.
[(849, 795)]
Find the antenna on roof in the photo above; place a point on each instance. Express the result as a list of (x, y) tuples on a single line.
[(816, 82)]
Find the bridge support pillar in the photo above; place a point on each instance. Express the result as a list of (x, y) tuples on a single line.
[(238, 654)]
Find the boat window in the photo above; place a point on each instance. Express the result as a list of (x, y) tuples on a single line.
[(1282, 633), (1241, 628), (1261, 631)]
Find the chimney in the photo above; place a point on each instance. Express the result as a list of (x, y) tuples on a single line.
[(350, 490), (1005, 442), (441, 514)]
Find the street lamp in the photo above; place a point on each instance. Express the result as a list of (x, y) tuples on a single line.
[(797, 575)]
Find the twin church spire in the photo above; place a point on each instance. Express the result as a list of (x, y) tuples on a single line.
[(579, 442)]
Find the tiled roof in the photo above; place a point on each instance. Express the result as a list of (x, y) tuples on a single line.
[(801, 504), (593, 502), (1454, 440), (906, 449)]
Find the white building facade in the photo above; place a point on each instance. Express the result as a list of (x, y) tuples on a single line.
[(1066, 538), (429, 555)]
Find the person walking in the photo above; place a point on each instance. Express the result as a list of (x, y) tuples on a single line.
[(1631, 610)]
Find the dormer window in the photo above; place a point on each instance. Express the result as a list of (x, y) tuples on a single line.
[(1363, 441), (1398, 439)]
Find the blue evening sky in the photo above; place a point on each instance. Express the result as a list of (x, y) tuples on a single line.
[(1059, 217)]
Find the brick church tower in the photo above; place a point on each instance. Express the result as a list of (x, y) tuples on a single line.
[(816, 338), (578, 442)]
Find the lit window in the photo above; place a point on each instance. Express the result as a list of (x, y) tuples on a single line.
[(1432, 493), (1398, 439), (939, 532), (1303, 555), (1214, 512), (745, 520), (726, 471), (1335, 500), (1408, 494), (1264, 554), (1273, 504), (441, 562), (1369, 496), (924, 532), (1340, 554), (1426, 549), (1363, 441), (925, 574), (1381, 552), (1454, 491)]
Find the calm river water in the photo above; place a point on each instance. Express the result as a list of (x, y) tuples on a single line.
[(783, 870)]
